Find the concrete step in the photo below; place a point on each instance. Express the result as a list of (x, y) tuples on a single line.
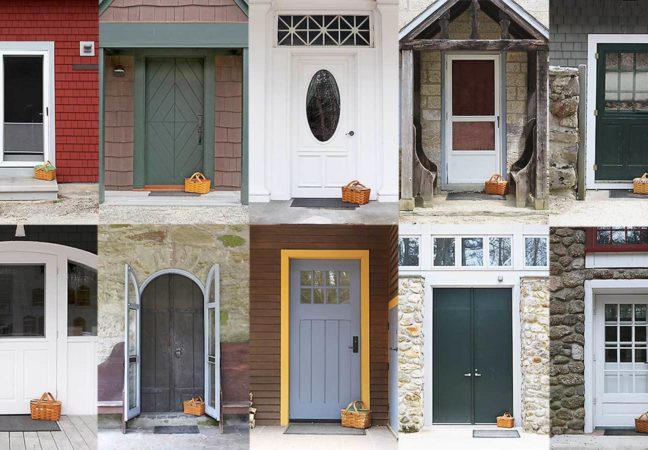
[(27, 189)]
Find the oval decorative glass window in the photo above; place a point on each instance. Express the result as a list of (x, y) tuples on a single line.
[(323, 105)]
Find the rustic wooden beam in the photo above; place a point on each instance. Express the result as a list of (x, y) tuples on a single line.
[(444, 23), (505, 23), (542, 179), (433, 18), (481, 44), (406, 129), (503, 6), (474, 33)]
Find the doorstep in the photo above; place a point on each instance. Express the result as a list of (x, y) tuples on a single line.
[(595, 441), (27, 189), (142, 198)]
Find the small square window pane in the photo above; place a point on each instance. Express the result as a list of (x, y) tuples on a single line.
[(408, 251), (535, 252), (611, 313), (306, 278), (640, 313), (345, 278), (625, 313), (318, 278), (305, 296), (472, 252), (640, 333), (22, 300), (618, 236), (625, 334), (331, 296), (499, 250), (640, 355), (344, 295), (612, 61), (611, 334), (625, 355), (318, 296), (444, 252), (611, 355), (331, 278), (604, 236)]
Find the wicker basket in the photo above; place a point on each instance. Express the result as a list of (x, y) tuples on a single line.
[(641, 423), (197, 184), (355, 192), (506, 421), (354, 417), (496, 185), (640, 185), (45, 408), (45, 172), (195, 406)]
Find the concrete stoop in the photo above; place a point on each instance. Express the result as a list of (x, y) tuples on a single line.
[(597, 442), (27, 189)]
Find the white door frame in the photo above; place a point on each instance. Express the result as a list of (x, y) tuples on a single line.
[(56, 258), (592, 288), (447, 116), (46, 50), (590, 142)]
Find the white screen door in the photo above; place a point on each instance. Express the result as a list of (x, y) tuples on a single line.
[(324, 121), (620, 332), (132, 359), (472, 141), (28, 322), (212, 343)]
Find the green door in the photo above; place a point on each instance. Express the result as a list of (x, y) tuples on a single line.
[(174, 119), (621, 112), (472, 379)]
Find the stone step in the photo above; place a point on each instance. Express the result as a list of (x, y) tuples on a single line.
[(27, 189)]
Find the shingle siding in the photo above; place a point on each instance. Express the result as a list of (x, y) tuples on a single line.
[(572, 20)]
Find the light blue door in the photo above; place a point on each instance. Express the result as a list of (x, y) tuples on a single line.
[(324, 338), (393, 369)]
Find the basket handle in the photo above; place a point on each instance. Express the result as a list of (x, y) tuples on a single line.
[(47, 396), (644, 416), (645, 177), (353, 405), (197, 399), (197, 176), (353, 183), (496, 177), (507, 415)]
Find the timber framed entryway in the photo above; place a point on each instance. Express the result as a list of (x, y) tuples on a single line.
[(474, 103), (172, 342)]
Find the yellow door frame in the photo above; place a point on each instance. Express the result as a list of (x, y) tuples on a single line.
[(286, 256)]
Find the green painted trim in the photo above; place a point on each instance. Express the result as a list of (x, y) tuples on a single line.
[(139, 139), (173, 35), (209, 120), (175, 52), (104, 5), (245, 184), (243, 4), (102, 132)]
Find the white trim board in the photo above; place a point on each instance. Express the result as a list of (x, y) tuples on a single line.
[(616, 260), (590, 141)]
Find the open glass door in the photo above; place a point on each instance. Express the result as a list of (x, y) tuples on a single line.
[(132, 360), (212, 344)]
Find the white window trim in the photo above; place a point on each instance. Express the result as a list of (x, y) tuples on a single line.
[(418, 238), (592, 43), (532, 236), (592, 288), (45, 49), (616, 260)]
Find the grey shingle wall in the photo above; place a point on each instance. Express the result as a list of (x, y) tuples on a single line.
[(572, 20)]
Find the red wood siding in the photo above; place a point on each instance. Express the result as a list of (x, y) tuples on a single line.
[(66, 22)]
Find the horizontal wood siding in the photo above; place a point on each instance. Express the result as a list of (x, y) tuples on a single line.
[(266, 243), (226, 11)]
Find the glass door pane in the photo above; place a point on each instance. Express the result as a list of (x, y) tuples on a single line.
[(22, 300), (23, 108)]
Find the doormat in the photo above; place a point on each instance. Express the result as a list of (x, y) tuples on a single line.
[(473, 196), (496, 434), (325, 203), (179, 429), (622, 193), (622, 432), (329, 429), (172, 194), (25, 423)]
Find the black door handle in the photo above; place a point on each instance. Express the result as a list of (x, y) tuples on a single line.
[(355, 344)]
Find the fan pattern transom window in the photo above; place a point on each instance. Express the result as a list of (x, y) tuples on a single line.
[(324, 30)]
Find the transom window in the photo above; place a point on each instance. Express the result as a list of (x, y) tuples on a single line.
[(535, 252), (626, 81), (324, 30), (408, 251), (324, 286), (626, 327), (618, 239)]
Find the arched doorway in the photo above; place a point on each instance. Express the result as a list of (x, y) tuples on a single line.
[(172, 343)]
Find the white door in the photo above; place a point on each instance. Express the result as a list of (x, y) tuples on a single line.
[(132, 360), (620, 328), (472, 142), (28, 318), (212, 343), (26, 96), (324, 121)]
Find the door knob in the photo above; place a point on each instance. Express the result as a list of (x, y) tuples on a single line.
[(179, 352), (468, 374), (351, 133), (477, 374), (393, 348)]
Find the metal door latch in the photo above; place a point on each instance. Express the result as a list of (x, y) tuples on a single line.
[(350, 133), (179, 352), (355, 344), (200, 130), (468, 374)]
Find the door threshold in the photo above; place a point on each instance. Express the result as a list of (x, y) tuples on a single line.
[(161, 188)]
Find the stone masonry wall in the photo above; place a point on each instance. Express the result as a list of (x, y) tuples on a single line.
[(564, 90), (410, 353), (534, 316), (567, 286)]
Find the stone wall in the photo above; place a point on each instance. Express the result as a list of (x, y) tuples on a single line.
[(534, 317), (564, 90), (410, 353), (567, 286)]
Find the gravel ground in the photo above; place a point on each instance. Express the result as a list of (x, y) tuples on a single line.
[(173, 215), (77, 204), (598, 210)]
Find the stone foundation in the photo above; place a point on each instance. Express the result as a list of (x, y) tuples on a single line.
[(410, 353), (564, 96)]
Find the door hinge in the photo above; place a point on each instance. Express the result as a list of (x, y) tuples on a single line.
[(595, 167), (596, 113), (596, 55), (47, 111)]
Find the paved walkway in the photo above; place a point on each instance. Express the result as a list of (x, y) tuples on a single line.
[(598, 209), (280, 212), (591, 442), (459, 437), (77, 433), (273, 438)]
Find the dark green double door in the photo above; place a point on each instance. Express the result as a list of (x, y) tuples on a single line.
[(472, 355), (174, 119), (621, 112)]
